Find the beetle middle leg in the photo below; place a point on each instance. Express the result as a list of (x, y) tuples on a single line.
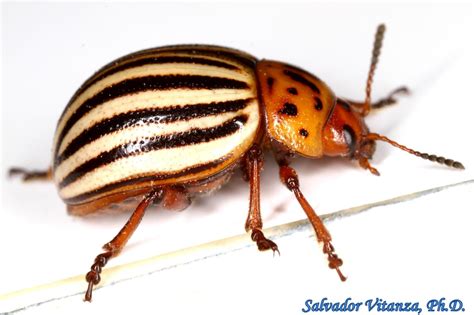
[(30, 175), (289, 178), (253, 166), (114, 247)]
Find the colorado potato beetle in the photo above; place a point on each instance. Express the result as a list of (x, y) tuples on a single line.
[(162, 125)]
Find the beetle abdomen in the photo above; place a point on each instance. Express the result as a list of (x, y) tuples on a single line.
[(167, 115)]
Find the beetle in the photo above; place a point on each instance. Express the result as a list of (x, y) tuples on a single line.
[(160, 126)]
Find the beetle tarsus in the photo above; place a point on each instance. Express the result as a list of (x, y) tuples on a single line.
[(252, 165), (114, 247), (88, 296), (93, 276), (364, 163), (334, 261), (263, 243), (391, 98)]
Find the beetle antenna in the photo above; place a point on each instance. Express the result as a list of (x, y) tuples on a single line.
[(426, 156), (373, 64)]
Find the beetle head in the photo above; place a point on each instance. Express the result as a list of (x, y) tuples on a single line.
[(345, 133)]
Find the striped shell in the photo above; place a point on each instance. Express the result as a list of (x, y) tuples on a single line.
[(174, 114)]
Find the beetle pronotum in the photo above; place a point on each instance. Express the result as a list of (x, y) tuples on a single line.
[(159, 126)]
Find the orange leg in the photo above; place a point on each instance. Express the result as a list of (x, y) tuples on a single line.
[(253, 167), (289, 177), (30, 175), (386, 101), (364, 163), (114, 247)]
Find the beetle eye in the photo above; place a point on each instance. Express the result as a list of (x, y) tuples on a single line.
[(350, 138)]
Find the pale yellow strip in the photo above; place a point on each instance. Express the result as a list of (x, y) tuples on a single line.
[(111, 141), (151, 99), (147, 70), (166, 160)]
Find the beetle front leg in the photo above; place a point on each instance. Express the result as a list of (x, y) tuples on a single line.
[(30, 175), (289, 177), (115, 246), (390, 99), (253, 166)]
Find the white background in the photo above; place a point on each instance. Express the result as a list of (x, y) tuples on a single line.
[(412, 252)]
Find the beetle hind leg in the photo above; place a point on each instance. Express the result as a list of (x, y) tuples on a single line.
[(27, 175), (253, 165), (114, 247)]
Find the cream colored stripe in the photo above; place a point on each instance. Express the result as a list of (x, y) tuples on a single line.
[(111, 141), (166, 160), (147, 70), (150, 99)]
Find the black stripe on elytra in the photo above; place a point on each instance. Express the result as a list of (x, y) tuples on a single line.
[(191, 137), (151, 61), (149, 116), (197, 50), (227, 54), (148, 83), (145, 178), (214, 51), (299, 78)]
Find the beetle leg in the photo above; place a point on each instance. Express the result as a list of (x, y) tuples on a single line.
[(175, 198), (289, 177), (390, 99), (114, 247), (30, 175), (254, 164), (364, 163)]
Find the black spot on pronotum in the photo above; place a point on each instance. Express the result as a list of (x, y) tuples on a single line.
[(301, 79), (289, 109), (270, 82), (318, 105), (292, 90), (350, 138), (304, 132)]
